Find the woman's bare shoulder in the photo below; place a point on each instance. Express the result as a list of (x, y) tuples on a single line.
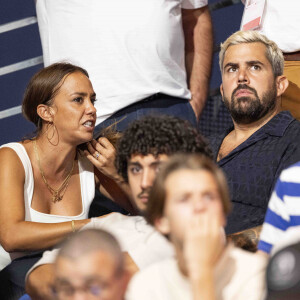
[(10, 159)]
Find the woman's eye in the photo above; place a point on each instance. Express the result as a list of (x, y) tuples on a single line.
[(78, 99)]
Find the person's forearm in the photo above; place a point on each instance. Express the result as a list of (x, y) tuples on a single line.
[(39, 282), (198, 48), (247, 239), (31, 236)]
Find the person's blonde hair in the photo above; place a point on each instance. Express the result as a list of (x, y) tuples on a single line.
[(273, 53)]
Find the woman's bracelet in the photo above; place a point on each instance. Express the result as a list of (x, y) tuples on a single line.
[(73, 226)]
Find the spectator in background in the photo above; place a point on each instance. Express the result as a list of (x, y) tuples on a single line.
[(188, 203), (264, 140), (140, 54), (90, 263), (280, 23)]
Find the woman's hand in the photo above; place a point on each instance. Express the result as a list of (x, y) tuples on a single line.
[(102, 155)]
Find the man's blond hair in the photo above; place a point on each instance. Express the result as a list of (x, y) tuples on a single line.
[(273, 53)]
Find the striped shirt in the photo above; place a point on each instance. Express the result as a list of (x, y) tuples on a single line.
[(283, 209)]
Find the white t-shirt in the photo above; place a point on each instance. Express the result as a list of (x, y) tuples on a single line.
[(239, 275), (87, 186), (281, 23), (132, 49), (143, 243)]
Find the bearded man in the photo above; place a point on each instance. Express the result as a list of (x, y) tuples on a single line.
[(263, 140)]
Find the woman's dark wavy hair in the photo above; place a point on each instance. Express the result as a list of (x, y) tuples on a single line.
[(158, 135)]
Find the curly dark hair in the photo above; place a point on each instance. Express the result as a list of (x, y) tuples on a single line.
[(158, 135)]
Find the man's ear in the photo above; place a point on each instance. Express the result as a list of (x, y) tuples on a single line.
[(45, 112), (221, 90), (162, 225), (282, 84)]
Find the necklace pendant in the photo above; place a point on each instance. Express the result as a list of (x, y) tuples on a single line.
[(56, 198)]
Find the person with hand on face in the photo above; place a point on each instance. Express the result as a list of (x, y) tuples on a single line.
[(46, 185), (263, 139), (188, 203), (144, 146), (90, 265)]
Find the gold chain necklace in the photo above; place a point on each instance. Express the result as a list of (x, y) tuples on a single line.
[(58, 194)]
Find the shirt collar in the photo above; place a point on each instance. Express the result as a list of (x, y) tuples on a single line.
[(275, 127)]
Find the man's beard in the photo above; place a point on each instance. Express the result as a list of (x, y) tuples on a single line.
[(246, 110)]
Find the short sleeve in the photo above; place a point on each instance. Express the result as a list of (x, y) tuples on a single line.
[(192, 4), (47, 258)]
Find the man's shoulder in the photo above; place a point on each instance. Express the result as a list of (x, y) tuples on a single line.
[(153, 278), (245, 258), (288, 123), (241, 260)]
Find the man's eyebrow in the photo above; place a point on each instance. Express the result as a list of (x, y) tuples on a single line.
[(254, 62), (230, 64), (62, 281), (157, 162), (249, 63), (134, 163)]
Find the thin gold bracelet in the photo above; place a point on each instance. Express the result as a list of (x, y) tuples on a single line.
[(73, 226)]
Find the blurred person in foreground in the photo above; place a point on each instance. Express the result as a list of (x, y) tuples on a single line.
[(90, 265), (188, 203)]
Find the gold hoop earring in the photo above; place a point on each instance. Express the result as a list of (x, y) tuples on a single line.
[(51, 126)]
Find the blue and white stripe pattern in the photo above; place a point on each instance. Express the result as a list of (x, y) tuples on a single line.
[(283, 210)]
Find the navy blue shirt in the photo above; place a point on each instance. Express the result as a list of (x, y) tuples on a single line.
[(254, 166)]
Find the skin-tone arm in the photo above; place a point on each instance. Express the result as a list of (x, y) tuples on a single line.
[(39, 282), (247, 239), (203, 245), (198, 33), (41, 289), (111, 184), (16, 234)]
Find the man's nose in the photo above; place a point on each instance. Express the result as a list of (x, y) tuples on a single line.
[(243, 76), (147, 179)]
